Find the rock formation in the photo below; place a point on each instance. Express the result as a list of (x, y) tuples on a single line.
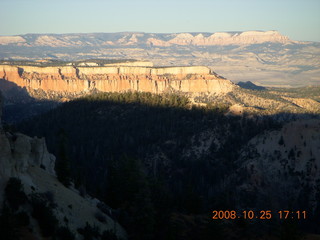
[(75, 79), (18, 152)]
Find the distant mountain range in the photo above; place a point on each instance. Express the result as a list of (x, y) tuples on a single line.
[(266, 58), (147, 39)]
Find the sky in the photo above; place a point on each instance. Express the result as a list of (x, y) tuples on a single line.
[(297, 19)]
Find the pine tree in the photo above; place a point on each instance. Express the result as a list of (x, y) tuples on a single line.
[(281, 141), (128, 189), (62, 167)]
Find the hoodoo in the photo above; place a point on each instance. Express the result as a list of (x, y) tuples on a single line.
[(72, 79)]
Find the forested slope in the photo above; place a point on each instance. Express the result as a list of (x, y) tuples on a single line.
[(163, 164)]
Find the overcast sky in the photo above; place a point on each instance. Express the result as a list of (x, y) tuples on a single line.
[(298, 19)]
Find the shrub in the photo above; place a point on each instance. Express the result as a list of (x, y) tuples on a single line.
[(109, 235), (62, 166), (23, 219), (49, 196), (44, 214), (8, 225), (100, 217), (63, 233), (14, 193), (281, 141), (89, 232)]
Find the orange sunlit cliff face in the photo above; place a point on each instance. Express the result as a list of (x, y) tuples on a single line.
[(72, 79)]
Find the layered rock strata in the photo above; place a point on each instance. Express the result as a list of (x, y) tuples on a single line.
[(71, 79)]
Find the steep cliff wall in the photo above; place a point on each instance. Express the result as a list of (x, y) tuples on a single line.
[(70, 79)]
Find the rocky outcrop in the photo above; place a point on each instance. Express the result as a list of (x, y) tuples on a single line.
[(72, 79), (27, 158), (18, 152)]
